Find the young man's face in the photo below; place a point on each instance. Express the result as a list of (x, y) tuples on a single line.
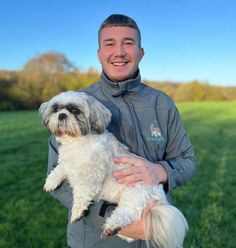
[(119, 52)]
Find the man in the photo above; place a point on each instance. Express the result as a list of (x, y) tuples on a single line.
[(145, 119)]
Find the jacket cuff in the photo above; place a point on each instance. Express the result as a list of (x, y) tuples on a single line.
[(170, 184)]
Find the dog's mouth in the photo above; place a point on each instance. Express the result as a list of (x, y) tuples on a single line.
[(59, 132), (62, 128)]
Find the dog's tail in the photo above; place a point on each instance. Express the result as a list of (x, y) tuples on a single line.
[(167, 226)]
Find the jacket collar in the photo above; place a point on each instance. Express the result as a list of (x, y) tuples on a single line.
[(121, 88)]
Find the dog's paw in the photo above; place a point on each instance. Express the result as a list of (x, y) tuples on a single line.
[(49, 186), (76, 214), (75, 218), (107, 233)]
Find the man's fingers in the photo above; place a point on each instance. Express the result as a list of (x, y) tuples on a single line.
[(139, 170), (131, 160), (130, 180), (127, 171), (146, 210)]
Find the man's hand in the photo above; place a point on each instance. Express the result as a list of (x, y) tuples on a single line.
[(137, 229), (141, 171)]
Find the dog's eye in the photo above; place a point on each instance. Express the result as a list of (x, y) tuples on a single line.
[(56, 109), (75, 111)]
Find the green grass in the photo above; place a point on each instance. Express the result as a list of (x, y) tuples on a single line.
[(30, 218), (208, 200)]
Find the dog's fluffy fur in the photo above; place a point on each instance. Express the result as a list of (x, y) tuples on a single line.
[(86, 155)]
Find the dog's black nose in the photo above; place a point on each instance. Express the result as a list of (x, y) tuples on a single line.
[(62, 117)]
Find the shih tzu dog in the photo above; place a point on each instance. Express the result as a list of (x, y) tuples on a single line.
[(86, 152)]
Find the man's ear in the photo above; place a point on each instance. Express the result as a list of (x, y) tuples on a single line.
[(141, 53), (99, 54)]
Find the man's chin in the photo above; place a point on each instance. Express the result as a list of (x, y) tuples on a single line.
[(121, 77), (118, 78)]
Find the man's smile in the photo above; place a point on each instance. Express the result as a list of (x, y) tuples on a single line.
[(120, 63)]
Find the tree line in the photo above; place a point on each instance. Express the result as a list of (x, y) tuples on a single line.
[(48, 74)]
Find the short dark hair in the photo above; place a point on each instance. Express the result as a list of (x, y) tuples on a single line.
[(118, 20)]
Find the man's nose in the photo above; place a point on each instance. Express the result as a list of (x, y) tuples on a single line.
[(120, 50)]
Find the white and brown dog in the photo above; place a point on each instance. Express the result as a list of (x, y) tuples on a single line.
[(86, 154)]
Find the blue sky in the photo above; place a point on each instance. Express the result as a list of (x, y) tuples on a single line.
[(184, 40)]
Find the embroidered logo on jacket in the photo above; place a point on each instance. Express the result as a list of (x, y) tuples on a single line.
[(155, 134)]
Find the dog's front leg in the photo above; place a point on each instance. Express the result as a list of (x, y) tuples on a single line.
[(81, 201), (86, 184), (54, 179)]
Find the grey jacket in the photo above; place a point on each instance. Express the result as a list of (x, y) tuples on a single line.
[(147, 121)]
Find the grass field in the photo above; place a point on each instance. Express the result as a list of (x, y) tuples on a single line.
[(30, 218)]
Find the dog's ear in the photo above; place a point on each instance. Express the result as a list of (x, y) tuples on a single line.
[(43, 108), (42, 113), (100, 116)]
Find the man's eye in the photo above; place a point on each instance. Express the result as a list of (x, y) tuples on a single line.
[(129, 43), (109, 44)]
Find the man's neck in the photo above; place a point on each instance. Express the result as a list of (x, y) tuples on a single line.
[(119, 81)]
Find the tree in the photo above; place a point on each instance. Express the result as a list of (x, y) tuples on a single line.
[(193, 91), (50, 63), (7, 81)]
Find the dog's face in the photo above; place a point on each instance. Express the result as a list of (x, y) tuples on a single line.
[(74, 114)]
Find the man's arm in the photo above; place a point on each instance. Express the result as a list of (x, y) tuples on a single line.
[(179, 160), (177, 166)]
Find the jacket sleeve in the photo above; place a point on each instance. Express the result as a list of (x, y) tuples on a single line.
[(179, 160), (63, 193)]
